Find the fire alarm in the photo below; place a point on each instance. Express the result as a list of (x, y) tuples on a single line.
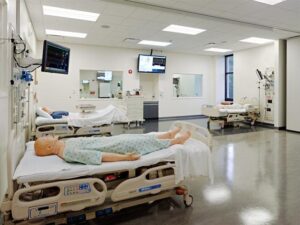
[(130, 71)]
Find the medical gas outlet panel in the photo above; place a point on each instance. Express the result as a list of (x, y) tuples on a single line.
[(20, 84)]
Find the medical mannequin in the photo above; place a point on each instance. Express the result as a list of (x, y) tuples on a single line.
[(55, 114), (94, 150)]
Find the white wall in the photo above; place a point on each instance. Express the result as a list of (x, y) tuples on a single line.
[(5, 17), (26, 28), (245, 80), (149, 84), (12, 131), (293, 84), (66, 94), (186, 64)]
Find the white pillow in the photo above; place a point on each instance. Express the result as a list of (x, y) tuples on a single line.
[(42, 113)]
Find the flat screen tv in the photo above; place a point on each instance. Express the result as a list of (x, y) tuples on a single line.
[(151, 64), (104, 75), (55, 58)]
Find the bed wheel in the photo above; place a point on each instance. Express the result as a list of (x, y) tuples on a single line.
[(188, 200)]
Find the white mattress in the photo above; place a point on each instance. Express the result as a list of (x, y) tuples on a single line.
[(192, 159), (39, 121)]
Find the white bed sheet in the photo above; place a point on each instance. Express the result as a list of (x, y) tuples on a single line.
[(108, 115), (39, 121), (192, 159)]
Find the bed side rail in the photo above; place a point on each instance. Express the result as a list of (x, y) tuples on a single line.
[(145, 184), (55, 129), (200, 133), (52, 198)]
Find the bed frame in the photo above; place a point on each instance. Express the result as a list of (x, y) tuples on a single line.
[(76, 200), (224, 118), (64, 130)]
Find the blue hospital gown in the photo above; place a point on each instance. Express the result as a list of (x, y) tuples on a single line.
[(87, 150)]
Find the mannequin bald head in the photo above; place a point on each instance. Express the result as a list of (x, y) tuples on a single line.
[(47, 145)]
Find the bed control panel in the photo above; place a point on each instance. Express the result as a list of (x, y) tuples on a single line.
[(56, 197), (77, 189), (43, 211)]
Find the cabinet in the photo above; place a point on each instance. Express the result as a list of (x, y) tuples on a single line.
[(151, 110), (135, 109)]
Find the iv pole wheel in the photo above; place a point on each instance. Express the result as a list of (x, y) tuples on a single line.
[(188, 200)]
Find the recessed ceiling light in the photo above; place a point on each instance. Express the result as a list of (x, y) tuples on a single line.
[(270, 2), (256, 40), (70, 13), (65, 33), (183, 29), (222, 50), (156, 43)]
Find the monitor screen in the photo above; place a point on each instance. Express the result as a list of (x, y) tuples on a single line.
[(55, 58), (151, 64), (104, 75)]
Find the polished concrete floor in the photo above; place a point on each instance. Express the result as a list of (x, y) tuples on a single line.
[(257, 182)]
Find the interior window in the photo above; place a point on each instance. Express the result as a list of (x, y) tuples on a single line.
[(229, 78), (187, 85), (101, 84)]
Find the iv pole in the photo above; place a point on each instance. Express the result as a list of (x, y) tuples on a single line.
[(260, 78)]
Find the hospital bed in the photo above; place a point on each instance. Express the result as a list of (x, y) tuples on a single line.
[(230, 114), (80, 124), (47, 190)]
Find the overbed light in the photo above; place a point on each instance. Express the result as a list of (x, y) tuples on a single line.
[(222, 50), (155, 43), (70, 13), (270, 2), (256, 40), (65, 33), (183, 29)]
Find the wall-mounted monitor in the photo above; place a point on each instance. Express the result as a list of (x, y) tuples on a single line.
[(104, 75), (55, 58), (151, 64)]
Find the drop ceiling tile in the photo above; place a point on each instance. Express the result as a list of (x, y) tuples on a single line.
[(147, 22)]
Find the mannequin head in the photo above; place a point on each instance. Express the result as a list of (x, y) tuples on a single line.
[(47, 110), (47, 145)]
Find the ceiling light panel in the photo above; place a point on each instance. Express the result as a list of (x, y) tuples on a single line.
[(70, 13), (270, 2), (65, 33), (221, 50), (256, 40), (155, 43), (183, 29)]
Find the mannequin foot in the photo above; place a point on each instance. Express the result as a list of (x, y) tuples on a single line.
[(174, 132)]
